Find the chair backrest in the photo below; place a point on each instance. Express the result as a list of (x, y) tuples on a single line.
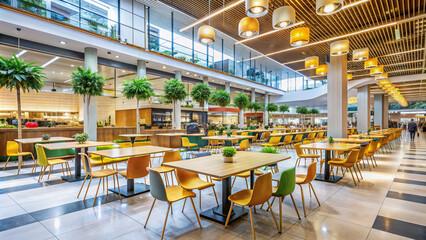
[(244, 145), (172, 156), (139, 144), (287, 182), (362, 150), (275, 140), (299, 151), (244, 134), (275, 131), (256, 136), (137, 167), (234, 133), (312, 172), (288, 139), (352, 157), (86, 165), (373, 146), (41, 156), (262, 189), (267, 135), (12, 148), (185, 178), (211, 133), (157, 188), (320, 135), (185, 142), (311, 135), (125, 145), (298, 137)]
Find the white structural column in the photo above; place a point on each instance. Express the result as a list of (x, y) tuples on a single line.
[(141, 68), (363, 98), (253, 95), (337, 97), (176, 121), (91, 108), (265, 113), (381, 111), (228, 87)]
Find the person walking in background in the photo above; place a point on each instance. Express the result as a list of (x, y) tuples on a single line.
[(412, 128)]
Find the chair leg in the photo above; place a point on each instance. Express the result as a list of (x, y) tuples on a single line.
[(195, 211), (215, 196), (272, 212), (34, 165), (165, 221), (251, 222), (184, 203), (233, 182), (82, 185), (359, 170), (90, 181), (247, 183), (50, 169), (312, 187), (97, 190), (42, 170), (295, 207), (281, 199), (149, 214), (6, 163), (303, 200), (352, 176), (199, 191), (229, 214)]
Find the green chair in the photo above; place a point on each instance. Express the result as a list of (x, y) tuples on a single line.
[(285, 187)]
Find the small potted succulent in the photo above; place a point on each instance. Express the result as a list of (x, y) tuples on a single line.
[(81, 137), (368, 131), (221, 129), (45, 137), (228, 154), (266, 127), (228, 133), (330, 140)]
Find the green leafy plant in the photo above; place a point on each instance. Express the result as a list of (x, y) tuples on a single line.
[(139, 88), (284, 108), (45, 137), (81, 137), (256, 107), (330, 140), (266, 126), (241, 101), (212, 127), (221, 98), (221, 129), (228, 133), (201, 93), (360, 137), (269, 149), (21, 76), (233, 126), (369, 131), (229, 152), (174, 91), (271, 107), (302, 110), (181, 58), (313, 111), (100, 124)]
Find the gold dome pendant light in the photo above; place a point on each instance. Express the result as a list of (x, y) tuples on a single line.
[(326, 7), (299, 36), (376, 71), (206, 33), (256, 8), (349, 76), (382, 76), (283, 17), (370, 63), (360, 54), (248, 27), (322, 69), (340, 47), (311, 62)]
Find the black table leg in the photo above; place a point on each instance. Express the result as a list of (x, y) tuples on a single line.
[(132, 139), (326, 176), (220, 213), (131, 189), (77, 168), (251, 179)]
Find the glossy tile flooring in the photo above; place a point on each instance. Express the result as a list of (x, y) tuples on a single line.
[(388, 204)]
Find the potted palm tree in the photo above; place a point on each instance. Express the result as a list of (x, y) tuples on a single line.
[(201, 94), (21, 76), (174, 91), (139, 88), (241, 101), (221, 98), (284, 108), (87, 84), (271, 107)]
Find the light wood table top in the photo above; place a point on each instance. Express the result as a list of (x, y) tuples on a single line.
[(330, 147), (366, 136), (226, 138), (352, 140), (215, 166), (135, 135), (179, 134), (39, 140), (295, 133), (130, 152), (68, 145)]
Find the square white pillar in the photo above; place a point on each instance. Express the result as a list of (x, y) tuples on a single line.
[(381, 111), (363, 98), (91, 108)]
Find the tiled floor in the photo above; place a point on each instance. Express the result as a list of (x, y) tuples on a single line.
[(388, 204)]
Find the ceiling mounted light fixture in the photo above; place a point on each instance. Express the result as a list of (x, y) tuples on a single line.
[(248, 27), (382, 76), (299, 36), (256, 8), (206, 34), (360, 54), (349, 76), (283, 17), (370, 63), (311, 62), (376, 71), (322, 69), (325, 7), (340, 47)]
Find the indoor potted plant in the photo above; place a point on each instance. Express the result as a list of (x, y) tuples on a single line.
[(81, 137), (330, 140), (228, 154), (45, 137), (228, 133)]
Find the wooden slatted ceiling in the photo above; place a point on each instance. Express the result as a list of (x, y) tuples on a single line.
[(366, 15)]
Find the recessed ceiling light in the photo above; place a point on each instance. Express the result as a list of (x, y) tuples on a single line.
[(53, 71), (62, 42), (116, 56), (123, 71), (21, 53), (195, 75), (72, 65), (62, 73), (187, 73), (49, 62), (164, 67)]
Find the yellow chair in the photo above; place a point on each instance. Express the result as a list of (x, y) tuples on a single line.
[(96, 160), (373, 148), (140, 144), (273, 142), (300, 154), (287, 141), (302, 179), (320, 136), (246, 175), (347, 163), (213, 143), (101, 174), (168, 157), (137, 168), (244, 145), (125, 145), (275, 131), (44, 163), (12, 150), (188, 145), (244, 134), (311, 136), (191, 181), (297, 139), (261, 193), (168, 194)]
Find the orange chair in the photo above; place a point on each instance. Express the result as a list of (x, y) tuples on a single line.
[(273, 142), (287, 141), (168, 157), (261, 193), (301, 155), (12, 150), (297, 139), (373, 148), (244, 145), (136, 168), (311, 136), (191, 181), (302, 179), (125, 145), (347, 163)]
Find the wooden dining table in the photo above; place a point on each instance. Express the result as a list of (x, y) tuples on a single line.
[(328, 147), (352, 140), (79, 148), (38, 140), (132, 188), (133, 136), (214, 166)]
